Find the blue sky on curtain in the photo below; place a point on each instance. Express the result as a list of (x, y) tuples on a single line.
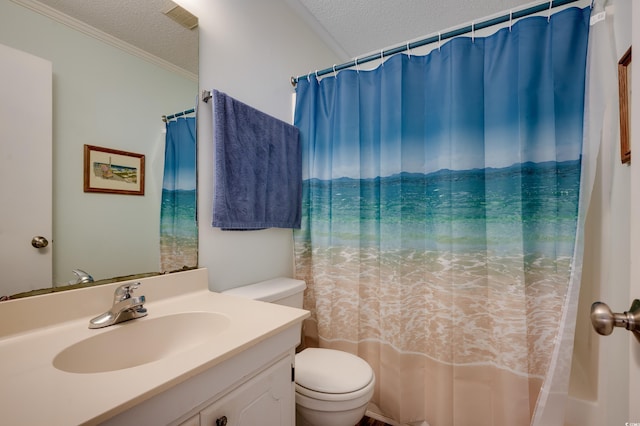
[(440, 207), (178, 222)]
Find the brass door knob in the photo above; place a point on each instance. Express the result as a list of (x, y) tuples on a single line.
[(39, 242)]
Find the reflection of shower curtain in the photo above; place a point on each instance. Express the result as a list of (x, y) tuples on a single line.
[(441, 200), (178, 226)]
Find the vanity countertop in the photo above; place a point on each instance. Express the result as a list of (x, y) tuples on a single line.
[(35, 392)]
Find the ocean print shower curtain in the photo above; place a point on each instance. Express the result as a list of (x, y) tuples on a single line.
[(178, 222), (441, 197)]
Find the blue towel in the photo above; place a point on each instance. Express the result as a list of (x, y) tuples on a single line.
[(258, 178)]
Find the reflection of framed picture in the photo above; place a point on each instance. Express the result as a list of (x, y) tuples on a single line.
[(624, 92), (112, 171)]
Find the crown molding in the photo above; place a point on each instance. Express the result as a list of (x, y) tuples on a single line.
[(86, 29)]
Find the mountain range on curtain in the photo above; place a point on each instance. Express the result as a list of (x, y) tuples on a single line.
[(440, 207), (178, 221)]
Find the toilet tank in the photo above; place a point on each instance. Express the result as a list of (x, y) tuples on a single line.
[(282, 291)]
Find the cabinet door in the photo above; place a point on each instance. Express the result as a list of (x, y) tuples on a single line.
[(193, 421), (266, 399)]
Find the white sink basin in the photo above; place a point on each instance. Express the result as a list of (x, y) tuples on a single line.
[(141, 341)]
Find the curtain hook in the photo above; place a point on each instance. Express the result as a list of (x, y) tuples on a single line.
[(408, 50), (382, 57), (510, 19), (317, 75), (309, 77), (439, 40), (550, 6), (357, 68), (334, 71), (473, 32)]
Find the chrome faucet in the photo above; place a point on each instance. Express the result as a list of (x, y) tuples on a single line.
[(125, 307), (81, 277)]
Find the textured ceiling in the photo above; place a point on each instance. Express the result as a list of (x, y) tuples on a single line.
[(352, 28), (358, 27), (140, 23)]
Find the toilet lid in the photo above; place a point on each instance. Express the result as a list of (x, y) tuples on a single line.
[(331, 371)]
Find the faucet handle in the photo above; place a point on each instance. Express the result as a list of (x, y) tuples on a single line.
[(124, 291)]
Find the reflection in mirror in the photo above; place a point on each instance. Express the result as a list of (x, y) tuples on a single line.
[(105, 93)]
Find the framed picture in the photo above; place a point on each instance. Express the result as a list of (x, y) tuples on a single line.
[(624, 92), (112, 171)]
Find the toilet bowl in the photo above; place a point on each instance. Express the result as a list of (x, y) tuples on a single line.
[(333, 388)]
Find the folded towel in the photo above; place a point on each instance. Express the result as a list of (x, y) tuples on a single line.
[(258, 178)]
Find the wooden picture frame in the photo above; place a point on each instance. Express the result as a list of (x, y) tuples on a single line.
[(624, 93), (113, 171)]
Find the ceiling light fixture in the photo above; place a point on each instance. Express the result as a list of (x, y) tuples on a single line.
[(181, 15)]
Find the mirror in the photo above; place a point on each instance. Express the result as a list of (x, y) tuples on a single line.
[(110, 94)]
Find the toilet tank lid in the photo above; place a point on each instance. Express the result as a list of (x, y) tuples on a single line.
[(270, 290)]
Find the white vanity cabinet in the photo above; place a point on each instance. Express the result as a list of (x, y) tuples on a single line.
[(266, 399), (241, 368), (252, 387), (193, 421)]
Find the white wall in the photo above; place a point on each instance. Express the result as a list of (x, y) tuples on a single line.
[(249, 49), (102, 96)]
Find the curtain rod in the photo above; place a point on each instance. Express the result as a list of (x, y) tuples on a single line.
[(166, 118), (450, 34)]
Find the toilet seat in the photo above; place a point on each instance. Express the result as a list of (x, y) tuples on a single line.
[(331, 375)]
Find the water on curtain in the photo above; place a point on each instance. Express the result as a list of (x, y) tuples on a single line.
[(440, 197), (178, 224)]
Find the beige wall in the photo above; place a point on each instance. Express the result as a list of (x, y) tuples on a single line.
[(633, 390), (249, 49), (600, 364)]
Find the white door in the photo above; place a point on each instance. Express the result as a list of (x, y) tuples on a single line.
[(25, 171)]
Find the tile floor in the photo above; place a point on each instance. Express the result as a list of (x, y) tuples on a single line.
[(367, 421)]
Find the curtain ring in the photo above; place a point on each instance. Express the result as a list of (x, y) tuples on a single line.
[(439, 40), (510, 19), (550, 6), (357, 68), (317, 75), (473, 32), (309, 77), (408, 50), (334, 71), (382, 57)]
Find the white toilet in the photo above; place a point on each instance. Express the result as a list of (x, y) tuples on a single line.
[(333, 388)]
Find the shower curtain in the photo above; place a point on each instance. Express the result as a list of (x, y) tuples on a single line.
[(178, 222), (440, 214)]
